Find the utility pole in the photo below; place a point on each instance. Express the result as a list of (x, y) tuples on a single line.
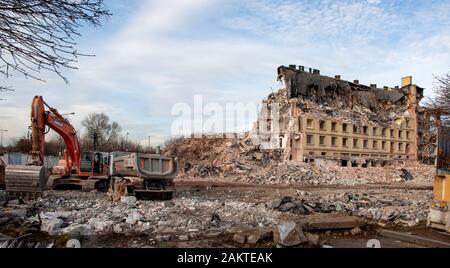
[(1, 139), (126, 142)]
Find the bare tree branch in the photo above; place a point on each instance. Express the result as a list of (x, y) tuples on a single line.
[(441, 102), (39, 35)]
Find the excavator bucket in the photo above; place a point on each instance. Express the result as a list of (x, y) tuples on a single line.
[(25, 181)]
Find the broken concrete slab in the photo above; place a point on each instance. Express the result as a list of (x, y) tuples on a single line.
[(51, 226), (129, 200), (134, 217), (289, 234)]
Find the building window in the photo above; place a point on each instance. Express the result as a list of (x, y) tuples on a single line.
[(407, 135), (344, 142), (407, 122), (333, 126), (392, 133), (334, 141), (310, 123), (400, 134), (344, 127), (392, 147), (322, 140), (375, 130), (383, 145), (355, 143), (309, 139), (355, 129), (400, 147), (383, 132), (366, 144), (407, 149), (366, 130), (322, 125), (375, 145)]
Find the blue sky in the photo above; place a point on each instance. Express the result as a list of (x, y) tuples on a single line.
[(152, 54)]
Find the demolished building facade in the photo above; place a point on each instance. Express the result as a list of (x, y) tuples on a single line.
[(327, 120)]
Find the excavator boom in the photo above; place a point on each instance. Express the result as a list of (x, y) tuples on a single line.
[(23, 180)]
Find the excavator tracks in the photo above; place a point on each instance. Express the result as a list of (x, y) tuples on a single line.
[(25, 181)]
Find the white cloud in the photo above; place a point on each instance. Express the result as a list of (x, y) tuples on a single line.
[(167, 51)]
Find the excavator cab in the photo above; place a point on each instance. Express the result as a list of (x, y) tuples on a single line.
[(93, 164)]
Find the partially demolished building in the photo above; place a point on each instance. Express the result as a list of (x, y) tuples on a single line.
[(328, 120)]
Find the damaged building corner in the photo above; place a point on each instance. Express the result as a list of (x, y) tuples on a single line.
[(330, 121)]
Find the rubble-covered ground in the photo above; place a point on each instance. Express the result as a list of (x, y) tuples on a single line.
[(231, 194), (205, 215)]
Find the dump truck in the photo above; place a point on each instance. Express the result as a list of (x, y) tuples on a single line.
[(439, 214), (146, 176)]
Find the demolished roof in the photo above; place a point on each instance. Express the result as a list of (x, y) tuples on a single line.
[(333, 97)]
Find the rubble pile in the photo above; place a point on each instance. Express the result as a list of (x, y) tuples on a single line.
[(80, 214), (400, 207), (238, 160), (291, 173), (219, 157)]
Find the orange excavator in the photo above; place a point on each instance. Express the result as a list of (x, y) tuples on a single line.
[(90, 167), (146, 176)]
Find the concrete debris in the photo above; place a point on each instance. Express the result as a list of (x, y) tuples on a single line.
[(51, 226), (134, 217), (406, 175), (257, 166), (215, 219), (288, 234), (129, 200), (356, 231), (239, 238), (313, 239), (401, 207)]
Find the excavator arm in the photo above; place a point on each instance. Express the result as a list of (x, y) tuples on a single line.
[(40, 118), (33, 177)]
